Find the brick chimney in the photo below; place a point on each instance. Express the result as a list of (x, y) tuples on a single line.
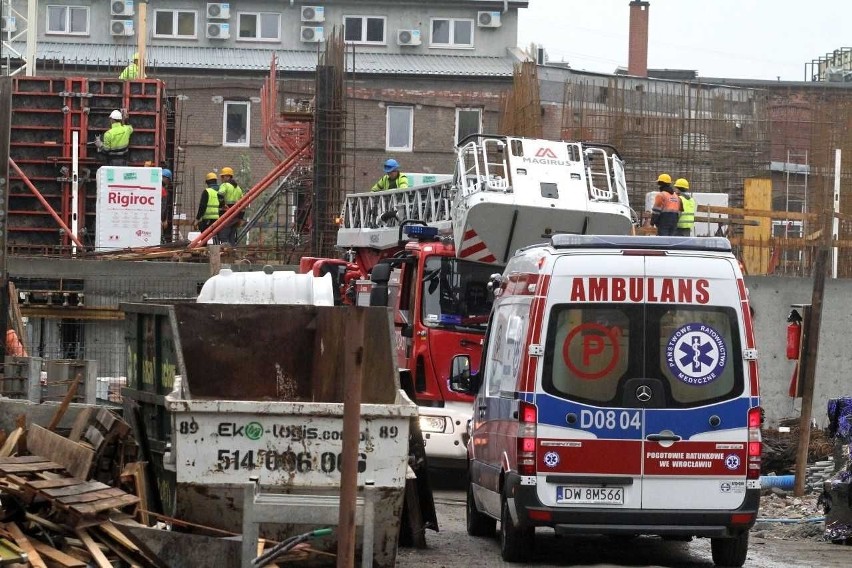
[(637, 60)]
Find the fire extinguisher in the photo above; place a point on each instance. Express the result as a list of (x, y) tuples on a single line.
[(794, 335)]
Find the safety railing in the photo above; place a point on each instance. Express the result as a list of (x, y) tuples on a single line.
[(429, 203)]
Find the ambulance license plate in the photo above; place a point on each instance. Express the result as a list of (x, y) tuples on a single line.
[(570, 495)]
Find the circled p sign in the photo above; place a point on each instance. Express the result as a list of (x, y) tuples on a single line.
[(591, 351)]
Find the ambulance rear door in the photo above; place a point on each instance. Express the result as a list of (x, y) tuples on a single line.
[(695, 400)]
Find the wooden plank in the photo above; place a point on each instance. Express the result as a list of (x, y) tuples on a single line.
[(120, 552), (66, 401), (76, 459), (22, 459), (104, 505), (40, 484), (21, 540), (53, 555), (758, 196), (50, 525), (109, 529), (93, 549), (110, 493), (135, 473), (10, 446), (29, 467), (80, 423), (79, 489), (94, 438)]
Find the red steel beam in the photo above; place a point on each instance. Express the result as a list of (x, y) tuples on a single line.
[(44, 203), (252, 194)]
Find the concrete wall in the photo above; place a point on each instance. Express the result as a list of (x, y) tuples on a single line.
[(399, 14), (771, 298)]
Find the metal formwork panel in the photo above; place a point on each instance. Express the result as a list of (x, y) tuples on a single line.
[(46, 112)]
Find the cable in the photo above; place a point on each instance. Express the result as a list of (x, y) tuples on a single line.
[(287, 545)]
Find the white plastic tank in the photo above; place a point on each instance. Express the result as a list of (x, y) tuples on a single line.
[(267, 287)]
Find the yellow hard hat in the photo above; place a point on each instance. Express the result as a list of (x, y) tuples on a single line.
[(135, 57), (210, 176), (226, 171), (664, 178), (681, 183)]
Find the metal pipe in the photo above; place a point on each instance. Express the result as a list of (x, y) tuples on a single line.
[(252, 194), (45, 204)]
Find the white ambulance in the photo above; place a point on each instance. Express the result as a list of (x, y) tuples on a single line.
[(617, 394)]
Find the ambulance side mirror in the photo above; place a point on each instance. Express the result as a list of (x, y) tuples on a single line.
[(461, 378)]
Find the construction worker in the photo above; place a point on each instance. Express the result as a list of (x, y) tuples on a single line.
[(686, 220), (116, 140), (166, 205), (14, 347), (666, 209), (229, 193), (132, 69), (208, 207), (392, 179)]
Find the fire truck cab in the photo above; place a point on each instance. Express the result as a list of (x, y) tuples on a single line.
[(617, 394)]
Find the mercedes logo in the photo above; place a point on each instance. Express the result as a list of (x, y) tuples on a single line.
[(644, 393)]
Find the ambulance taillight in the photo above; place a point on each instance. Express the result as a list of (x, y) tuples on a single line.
[(755, 445), (527, 419)]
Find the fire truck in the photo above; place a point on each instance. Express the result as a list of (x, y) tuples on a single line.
[(430, 251)]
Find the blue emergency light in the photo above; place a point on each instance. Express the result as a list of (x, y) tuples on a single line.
[(421, 232)]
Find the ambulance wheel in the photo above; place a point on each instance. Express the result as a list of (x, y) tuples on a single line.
[(515, 543), (477, 523), (730, 552)]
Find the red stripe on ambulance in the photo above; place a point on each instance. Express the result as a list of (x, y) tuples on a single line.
[(617, 457), (636, 289), (696, 459)]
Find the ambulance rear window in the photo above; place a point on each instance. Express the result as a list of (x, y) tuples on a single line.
[(592, 350)]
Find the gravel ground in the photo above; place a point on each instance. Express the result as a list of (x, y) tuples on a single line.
[(773, 545)]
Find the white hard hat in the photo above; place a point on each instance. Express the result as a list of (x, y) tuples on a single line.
[(115, 115)]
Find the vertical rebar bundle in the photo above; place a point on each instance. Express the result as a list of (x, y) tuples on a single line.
[(329, 143), (521, 105)]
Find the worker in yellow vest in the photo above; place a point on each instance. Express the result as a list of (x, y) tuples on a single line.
[(116, 140), (208, 206), (229, 193), (686, 219)]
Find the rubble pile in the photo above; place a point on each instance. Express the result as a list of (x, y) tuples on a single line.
[(837, 494)]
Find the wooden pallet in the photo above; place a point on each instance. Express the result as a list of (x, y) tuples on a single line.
[(84, 502)]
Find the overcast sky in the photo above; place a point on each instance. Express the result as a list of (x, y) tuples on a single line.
[(760, 39)]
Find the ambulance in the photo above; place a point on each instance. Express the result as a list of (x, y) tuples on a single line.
[(617, 394)]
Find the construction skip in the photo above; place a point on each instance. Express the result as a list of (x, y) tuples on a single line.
[(256, 413)]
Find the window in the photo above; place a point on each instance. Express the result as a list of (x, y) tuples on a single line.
[(468, 121), (364, 29), (400, 128), (236, 123), (455, 294), (263, 26), (175, 24), (68, 20), (448, 32), (593, 350)]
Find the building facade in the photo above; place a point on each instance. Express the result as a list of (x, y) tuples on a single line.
[(421, 74)]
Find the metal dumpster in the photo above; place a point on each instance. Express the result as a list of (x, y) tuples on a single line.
[(258, 393)]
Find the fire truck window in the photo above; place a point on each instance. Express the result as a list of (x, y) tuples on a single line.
[(698, 353), (587, 352), (455, 294)]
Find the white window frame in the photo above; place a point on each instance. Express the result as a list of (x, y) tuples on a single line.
[(258, 15), (452, 44), (225, 142), (410, 146), (364, 19), (175, 13), (66, 30), (460, 110)]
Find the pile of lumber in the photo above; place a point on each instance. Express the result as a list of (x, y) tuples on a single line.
[(779, 449), (52, 511)]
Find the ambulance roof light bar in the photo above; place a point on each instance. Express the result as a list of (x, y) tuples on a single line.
[(712, 244)]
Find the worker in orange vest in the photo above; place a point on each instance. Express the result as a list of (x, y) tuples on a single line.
[(666, 210), (14, 347)]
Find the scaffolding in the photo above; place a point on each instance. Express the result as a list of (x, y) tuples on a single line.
[(520, 106)]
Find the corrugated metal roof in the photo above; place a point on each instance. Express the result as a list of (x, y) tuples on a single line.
[(249, 59)]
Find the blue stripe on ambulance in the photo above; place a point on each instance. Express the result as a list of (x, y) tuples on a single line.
[(687, 422), (603, 422)]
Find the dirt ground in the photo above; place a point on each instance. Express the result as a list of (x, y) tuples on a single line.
[(773, 545)]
